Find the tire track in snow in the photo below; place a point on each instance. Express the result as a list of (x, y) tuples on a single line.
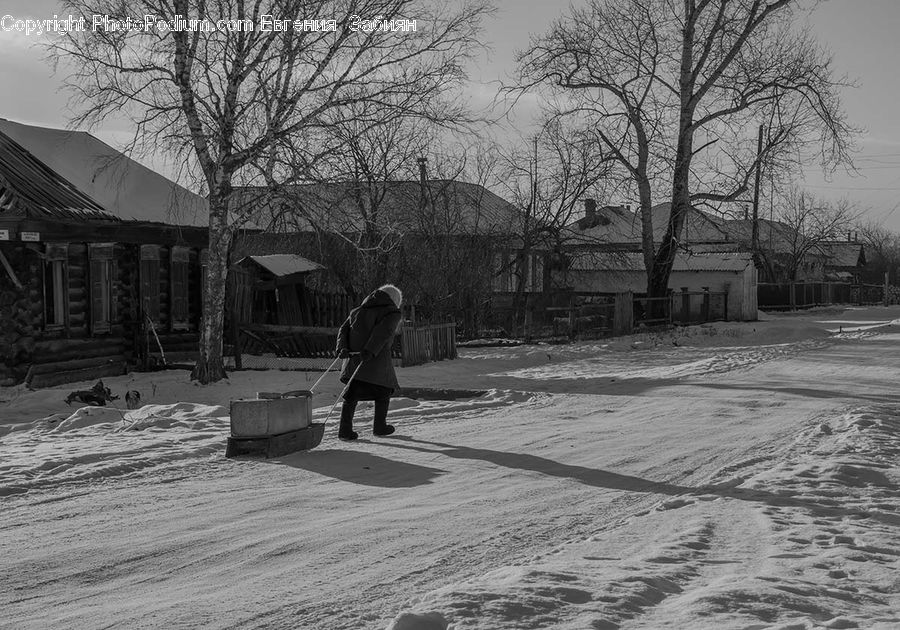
[(669, 364)]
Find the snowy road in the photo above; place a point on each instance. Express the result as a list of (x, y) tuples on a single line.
[(749, 480)]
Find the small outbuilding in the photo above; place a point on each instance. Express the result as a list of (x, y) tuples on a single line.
[(276, 291)]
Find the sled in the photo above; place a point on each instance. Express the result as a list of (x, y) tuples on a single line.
[(273, 424)]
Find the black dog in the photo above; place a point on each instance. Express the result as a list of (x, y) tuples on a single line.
[(97, 396)]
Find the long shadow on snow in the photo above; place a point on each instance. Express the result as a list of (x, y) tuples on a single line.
[(805, 392), (361, 468), (819, 506)]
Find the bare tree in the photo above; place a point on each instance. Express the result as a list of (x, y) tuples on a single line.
[(810, 223), (882, 251), (677, 90), (547, 181), (243, 102)]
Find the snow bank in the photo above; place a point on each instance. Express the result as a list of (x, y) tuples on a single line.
[(96, 443)]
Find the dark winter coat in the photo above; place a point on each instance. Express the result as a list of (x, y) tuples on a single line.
[(371, 327)]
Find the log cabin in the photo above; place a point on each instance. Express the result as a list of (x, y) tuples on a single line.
[(102, 260)]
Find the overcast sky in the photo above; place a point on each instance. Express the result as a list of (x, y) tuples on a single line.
[(864, 36)]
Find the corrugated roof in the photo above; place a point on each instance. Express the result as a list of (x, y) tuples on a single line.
[(634, 261), (119, 185), (615, 224), (284, 264), (28, 188)]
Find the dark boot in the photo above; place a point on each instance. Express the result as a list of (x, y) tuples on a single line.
[(345, 431), (381, 427)]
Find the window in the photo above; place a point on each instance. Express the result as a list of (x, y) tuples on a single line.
[(150, 282), (101, 283), (178, 274), (503, 273), (56, 293)]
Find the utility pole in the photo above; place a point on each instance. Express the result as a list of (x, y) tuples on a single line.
[(754, 239)]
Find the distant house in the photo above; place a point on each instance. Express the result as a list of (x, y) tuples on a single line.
[(784, 254), (101, 259), (844, 261), (733, 274), (618, 228), (444, 237)]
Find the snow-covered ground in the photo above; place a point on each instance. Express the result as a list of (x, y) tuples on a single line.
[(722, 476)]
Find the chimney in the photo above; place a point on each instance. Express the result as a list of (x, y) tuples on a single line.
[(590, 209), (423, 170)]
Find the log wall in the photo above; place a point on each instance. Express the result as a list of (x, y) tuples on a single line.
[(21, 312), (40, 357)]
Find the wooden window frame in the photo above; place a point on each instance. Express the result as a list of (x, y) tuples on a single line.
[(179, 276), (149, 303), (56, 253), (101, 255)]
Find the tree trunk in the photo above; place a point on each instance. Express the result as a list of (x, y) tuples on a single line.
[(658, 281), (210, 366)]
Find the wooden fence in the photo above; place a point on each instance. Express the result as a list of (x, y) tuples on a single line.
[(427, 343), (271, 346), (791, 295)]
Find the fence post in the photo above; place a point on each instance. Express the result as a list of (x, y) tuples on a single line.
[(884, 298), (236, 340), (572, 307), (704, 309), (725, 301), (685, 306)]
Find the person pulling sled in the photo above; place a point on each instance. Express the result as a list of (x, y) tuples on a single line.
[(365, 340)]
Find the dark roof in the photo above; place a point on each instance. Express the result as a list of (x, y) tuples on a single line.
[(28, 188), (619, 225), (843, 254), (453, 207)]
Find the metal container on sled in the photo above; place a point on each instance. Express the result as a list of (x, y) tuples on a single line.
[(273, 424)]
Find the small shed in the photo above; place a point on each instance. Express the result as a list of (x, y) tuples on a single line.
[(611, 272), (278, 293)]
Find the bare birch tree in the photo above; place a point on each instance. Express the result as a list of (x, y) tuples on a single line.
[(242, 101), (678, 88)]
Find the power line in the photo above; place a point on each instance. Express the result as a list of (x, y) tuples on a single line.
[(848, 187)]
